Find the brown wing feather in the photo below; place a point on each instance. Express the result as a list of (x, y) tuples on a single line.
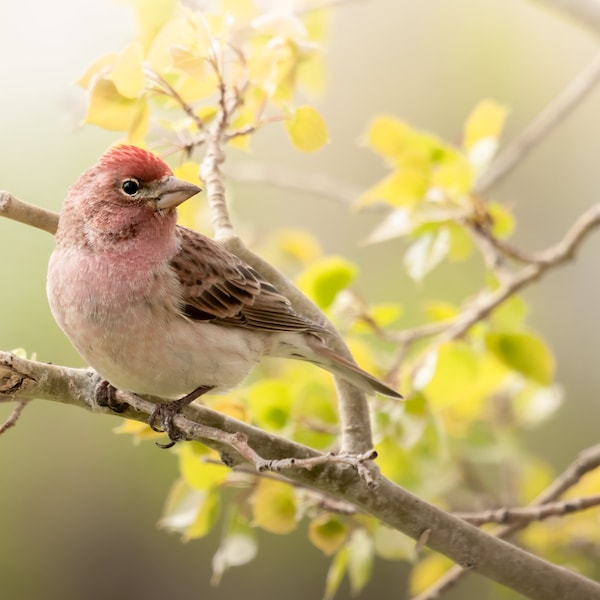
[(220, 287)]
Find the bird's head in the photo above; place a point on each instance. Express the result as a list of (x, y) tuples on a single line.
[(129, 192), (136, 176)]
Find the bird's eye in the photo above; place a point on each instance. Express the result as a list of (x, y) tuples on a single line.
[(130, 186)]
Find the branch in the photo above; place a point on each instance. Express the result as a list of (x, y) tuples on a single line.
[(558, 109), (355, 431), (584, 12), (587, 461), (549, 258), (20, 211), (460, 541), (524, 516), (13, 417)]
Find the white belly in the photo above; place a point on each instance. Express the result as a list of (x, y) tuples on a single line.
[(140, 343)]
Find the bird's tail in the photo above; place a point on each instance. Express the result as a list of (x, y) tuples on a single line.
[(317, 353)]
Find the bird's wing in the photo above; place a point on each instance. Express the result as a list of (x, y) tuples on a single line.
[(219, 287)]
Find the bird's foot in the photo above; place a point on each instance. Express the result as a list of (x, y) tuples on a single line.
[(161, 421), (105, 395), (161, 418)]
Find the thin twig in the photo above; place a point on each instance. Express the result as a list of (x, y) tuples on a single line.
[(166, 88), (554, 113), (13, 417), (524, 516)]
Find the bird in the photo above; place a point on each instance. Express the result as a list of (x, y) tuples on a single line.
[(158, 309)]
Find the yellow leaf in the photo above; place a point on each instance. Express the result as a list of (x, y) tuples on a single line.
[(485, 121), (307, 129), (298, 244), (404, 187), (388, 136), (206, 517), (139, 431), (109, 109), (230, 406), (176, 33), (138, 128), (427, 572), (453, 177), (328, 533), (127, 74), (274, 507), (197, 473), (190, 63), (152, 15), (100, 68)]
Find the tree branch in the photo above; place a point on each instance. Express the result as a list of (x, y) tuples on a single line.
[(588, 460), (554, 113), (28, 214), (584, 12), (460, 541), (551, 257), (524, 516)]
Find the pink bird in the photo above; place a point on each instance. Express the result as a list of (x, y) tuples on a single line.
[(158, 309)]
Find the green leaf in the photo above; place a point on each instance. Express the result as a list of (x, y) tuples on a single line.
[(270, 401), (327, 532), (274, 507), (525, 353), (307, 129), (503, 222), (326, 278), (510, 315)]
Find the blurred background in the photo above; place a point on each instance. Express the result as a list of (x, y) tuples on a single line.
[(79, 505)]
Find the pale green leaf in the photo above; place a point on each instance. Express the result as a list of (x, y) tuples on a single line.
[(274, 507), (270, 401), (327, 532), (323, 280), (525, 353)]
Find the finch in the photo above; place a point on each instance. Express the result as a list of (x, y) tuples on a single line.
[(158, 309)]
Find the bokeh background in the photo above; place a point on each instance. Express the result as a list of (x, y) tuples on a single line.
[(79, 505)]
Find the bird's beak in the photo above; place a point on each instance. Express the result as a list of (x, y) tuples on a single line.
[(171, 192)]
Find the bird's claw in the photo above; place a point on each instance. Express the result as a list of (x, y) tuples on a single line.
[(161, 421), (105, 395)]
